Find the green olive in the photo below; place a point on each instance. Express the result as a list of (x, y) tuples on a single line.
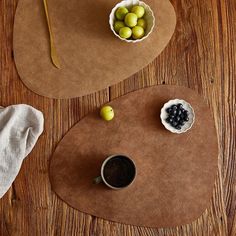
[(142, 23), (138, 10), (107, 113), (118, 25), (131, 19), (125, 32), (137, 32), (121, 13)]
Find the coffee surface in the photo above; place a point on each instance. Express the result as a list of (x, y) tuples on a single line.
[(119, 171)]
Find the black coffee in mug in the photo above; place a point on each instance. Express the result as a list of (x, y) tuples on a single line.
[(119, 171)]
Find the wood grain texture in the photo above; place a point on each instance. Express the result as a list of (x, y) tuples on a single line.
[(201, 55)]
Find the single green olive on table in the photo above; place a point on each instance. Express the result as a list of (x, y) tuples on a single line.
[(107, 113), (130, 24)]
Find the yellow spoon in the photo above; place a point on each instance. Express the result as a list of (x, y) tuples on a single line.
[(54, 57)]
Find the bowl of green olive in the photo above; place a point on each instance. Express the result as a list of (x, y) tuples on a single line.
[(132, 21)]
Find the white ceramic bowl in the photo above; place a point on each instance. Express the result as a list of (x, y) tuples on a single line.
[(149, 17), (188, 125)]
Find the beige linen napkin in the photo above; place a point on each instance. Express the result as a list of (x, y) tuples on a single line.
[(20, 127)]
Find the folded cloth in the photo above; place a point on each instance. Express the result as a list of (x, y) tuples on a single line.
[(20, 127)]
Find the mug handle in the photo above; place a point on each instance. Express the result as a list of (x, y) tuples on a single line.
[(97, 180)]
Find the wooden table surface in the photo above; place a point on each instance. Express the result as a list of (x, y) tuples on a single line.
[(201, 55)]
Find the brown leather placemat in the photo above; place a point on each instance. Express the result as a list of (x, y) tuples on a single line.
[(175, 173), (92, 58)]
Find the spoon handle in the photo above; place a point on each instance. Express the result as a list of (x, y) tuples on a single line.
[(54, 57)]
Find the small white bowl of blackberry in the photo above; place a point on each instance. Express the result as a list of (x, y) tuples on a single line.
[(177, 116)]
